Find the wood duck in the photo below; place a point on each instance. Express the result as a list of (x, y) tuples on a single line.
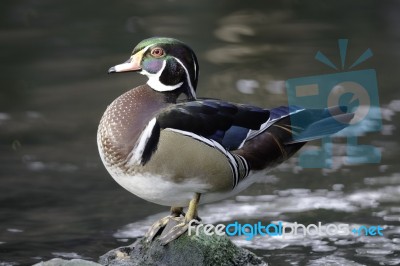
[(164, 145)]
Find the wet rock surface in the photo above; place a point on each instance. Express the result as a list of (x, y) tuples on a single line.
[(186, 250)]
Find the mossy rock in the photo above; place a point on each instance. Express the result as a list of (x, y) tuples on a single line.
[(186, 250)]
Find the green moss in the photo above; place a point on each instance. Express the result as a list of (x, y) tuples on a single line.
[(186, 250)]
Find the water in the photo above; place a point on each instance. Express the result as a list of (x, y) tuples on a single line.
[(56, 199)]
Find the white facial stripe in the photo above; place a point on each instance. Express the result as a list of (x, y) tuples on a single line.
[(146, 48), (195, 67), (192, 92), (154, 80)]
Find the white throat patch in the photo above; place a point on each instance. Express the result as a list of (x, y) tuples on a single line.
[(155, 83)]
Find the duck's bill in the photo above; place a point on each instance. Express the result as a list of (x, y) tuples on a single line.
[(132, 64)]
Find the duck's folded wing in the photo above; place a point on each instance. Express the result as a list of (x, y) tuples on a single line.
[(214, 119), (223, 123)]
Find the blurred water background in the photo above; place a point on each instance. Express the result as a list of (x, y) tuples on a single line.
[(56, 198)]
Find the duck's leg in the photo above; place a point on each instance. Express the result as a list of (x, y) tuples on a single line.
[(192, 211), (182, 227), (158, 226)]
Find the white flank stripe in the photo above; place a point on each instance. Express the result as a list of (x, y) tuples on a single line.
[(207, 141), (141, 143)]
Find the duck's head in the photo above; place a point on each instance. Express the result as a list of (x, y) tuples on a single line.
[(169, 64)]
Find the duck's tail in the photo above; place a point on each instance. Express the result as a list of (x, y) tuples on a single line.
[(285, 136)]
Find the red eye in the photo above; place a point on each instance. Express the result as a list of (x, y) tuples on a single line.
[(157, 52)]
